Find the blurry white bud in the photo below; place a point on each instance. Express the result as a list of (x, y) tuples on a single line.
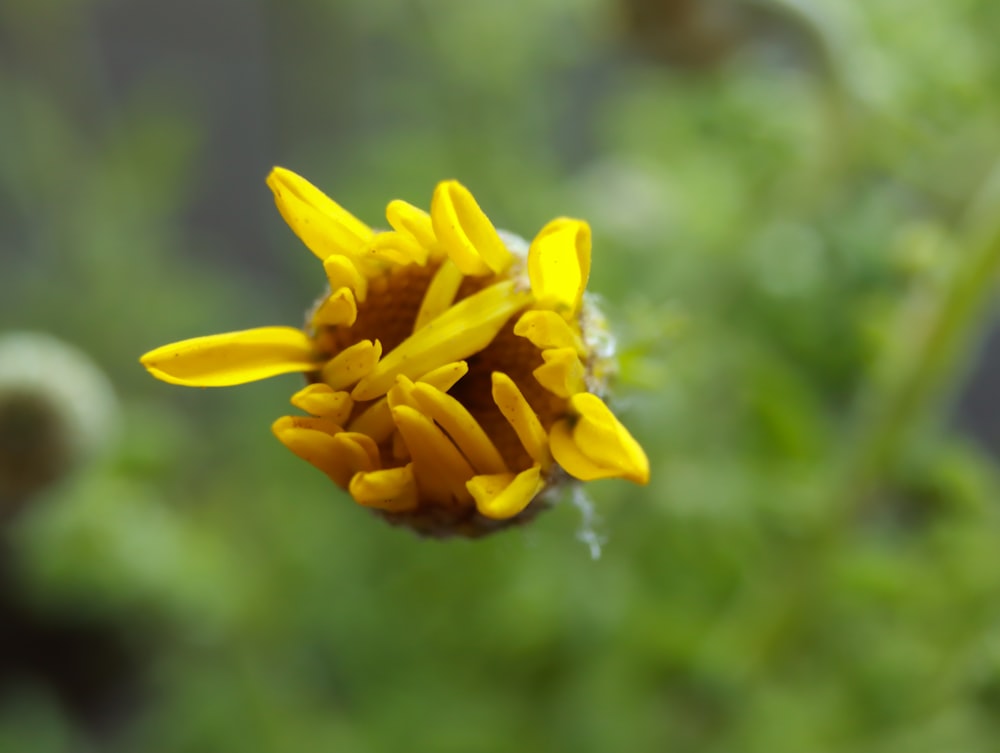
[(57, 410)]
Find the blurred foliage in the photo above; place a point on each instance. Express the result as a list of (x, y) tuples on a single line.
[(795, 209)]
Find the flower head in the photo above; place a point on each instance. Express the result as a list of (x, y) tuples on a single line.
[(454, 372)]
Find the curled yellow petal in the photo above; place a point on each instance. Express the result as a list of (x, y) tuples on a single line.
[(316, 447), (341, 272), (233, 357), (339, 309), (596, 445), (466, 232), (406, 218), (559, 264), (352, 363), (323, 401), (546, 329), (399, 248), (391, 489), (504, 495), (462, 330), (322, 224), (562, 373)]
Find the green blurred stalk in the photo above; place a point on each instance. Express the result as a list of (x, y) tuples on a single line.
[(928, 353)]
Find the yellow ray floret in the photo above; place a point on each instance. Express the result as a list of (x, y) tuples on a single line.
[(440, 469), (351, 364), (504, 495), (559, 264), (399, 248), (546, 329), (562, 373), (440, 293), (233, 357), (391, 489), (341, 272), (322, 224), (462, 330), (339, 309), (406, 218), (323, 401), (466, 232), (522, 418), (596, 445), (460, 425)]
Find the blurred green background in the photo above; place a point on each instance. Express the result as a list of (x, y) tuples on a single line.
[(797, 233)]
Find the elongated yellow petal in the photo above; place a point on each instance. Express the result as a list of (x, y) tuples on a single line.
[(464, 329), (352, 363), (460, 425), (597, 445), (546, 329), (559, 264), (341, 272), (522, 418), (233, 357), (504, 495), (323, 401), (339, 309), (409, 219), (392, 489), (440, 469), (440, 293), (321, 223), (466, 232)]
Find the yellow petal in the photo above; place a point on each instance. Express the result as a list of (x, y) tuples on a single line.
[(339, 309), (407, 218), (466, 232), (445, 377), (562, 373), (546, 329), (399, 248), (439, 467), (323, 401), (502, 496), (440, 293), (361, 449), (461, 426), (321, 223), (352, 363), (522, 418), (316, 447), (597, 445), (376, 419), (341, 272), (233, 357), (392, 489), (461, 331), (559, 264)]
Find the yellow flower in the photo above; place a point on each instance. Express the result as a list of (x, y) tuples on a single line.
[(454, 373)]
